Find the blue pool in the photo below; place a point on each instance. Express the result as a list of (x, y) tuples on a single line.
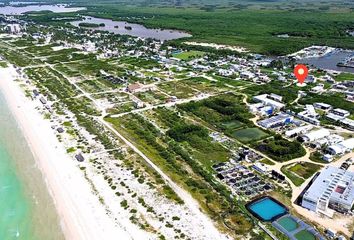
[(266, 209)]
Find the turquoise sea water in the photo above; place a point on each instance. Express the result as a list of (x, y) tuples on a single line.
[(26, 210), (14, 207)]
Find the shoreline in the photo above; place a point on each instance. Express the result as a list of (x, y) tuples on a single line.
[(75, 203)]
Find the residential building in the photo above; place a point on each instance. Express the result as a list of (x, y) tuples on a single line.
[(322, 106)]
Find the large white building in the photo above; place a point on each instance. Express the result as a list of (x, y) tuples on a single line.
[(332, 190), (270, 100), (315, 135)]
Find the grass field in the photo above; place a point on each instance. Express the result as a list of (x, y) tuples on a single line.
[(305, 170), (304, 235), (300, 172), (344, 77), (231, 125), (249, 134), (189, 55)]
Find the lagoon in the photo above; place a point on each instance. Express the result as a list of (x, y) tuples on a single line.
[(330, 60), (137, 30), (18, 10)]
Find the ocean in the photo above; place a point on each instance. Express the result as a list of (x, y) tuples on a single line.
[(27, 211)]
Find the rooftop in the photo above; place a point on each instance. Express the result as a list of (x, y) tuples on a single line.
[(335, 183)]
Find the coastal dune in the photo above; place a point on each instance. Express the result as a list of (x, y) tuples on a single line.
[(80, 212)]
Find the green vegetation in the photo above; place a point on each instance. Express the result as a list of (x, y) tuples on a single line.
[(300, 172), (256, 29), (91, 25), (281, 149), (335, 99), (222, 111), (344, 77), (185, 153), (289, 93), (267, 161), (49, 79), (3, 64), (317, 157), (304, 235), (189, 55), (250, 134)]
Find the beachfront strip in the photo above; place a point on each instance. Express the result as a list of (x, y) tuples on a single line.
[(168, 137)]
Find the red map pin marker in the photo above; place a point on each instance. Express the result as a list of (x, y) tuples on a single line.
[(301, 73)]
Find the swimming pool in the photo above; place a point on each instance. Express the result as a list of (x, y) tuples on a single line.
[(266, 209)]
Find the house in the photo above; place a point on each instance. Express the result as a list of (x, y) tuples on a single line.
[(327, 157), (310, 79), (348, 123), (60, 130), (133, 88), (275, 97), (79, 157), (35, 93), (340, 112), (137, 87), (317, 89), (138, 104), (322, 106), (309, 115), (43, 101)]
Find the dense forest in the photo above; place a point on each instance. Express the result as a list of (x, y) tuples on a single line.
[(255, 25)]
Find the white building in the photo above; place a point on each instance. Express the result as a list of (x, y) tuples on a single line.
[(333, 189), (342, 147), (260, 167), (266, 100), (340, 112), (348, 123), (315, 135), (322, 106), (13, 28), (299, 130)]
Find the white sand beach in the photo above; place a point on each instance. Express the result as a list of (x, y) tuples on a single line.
[(81, 214), (218, 46)]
